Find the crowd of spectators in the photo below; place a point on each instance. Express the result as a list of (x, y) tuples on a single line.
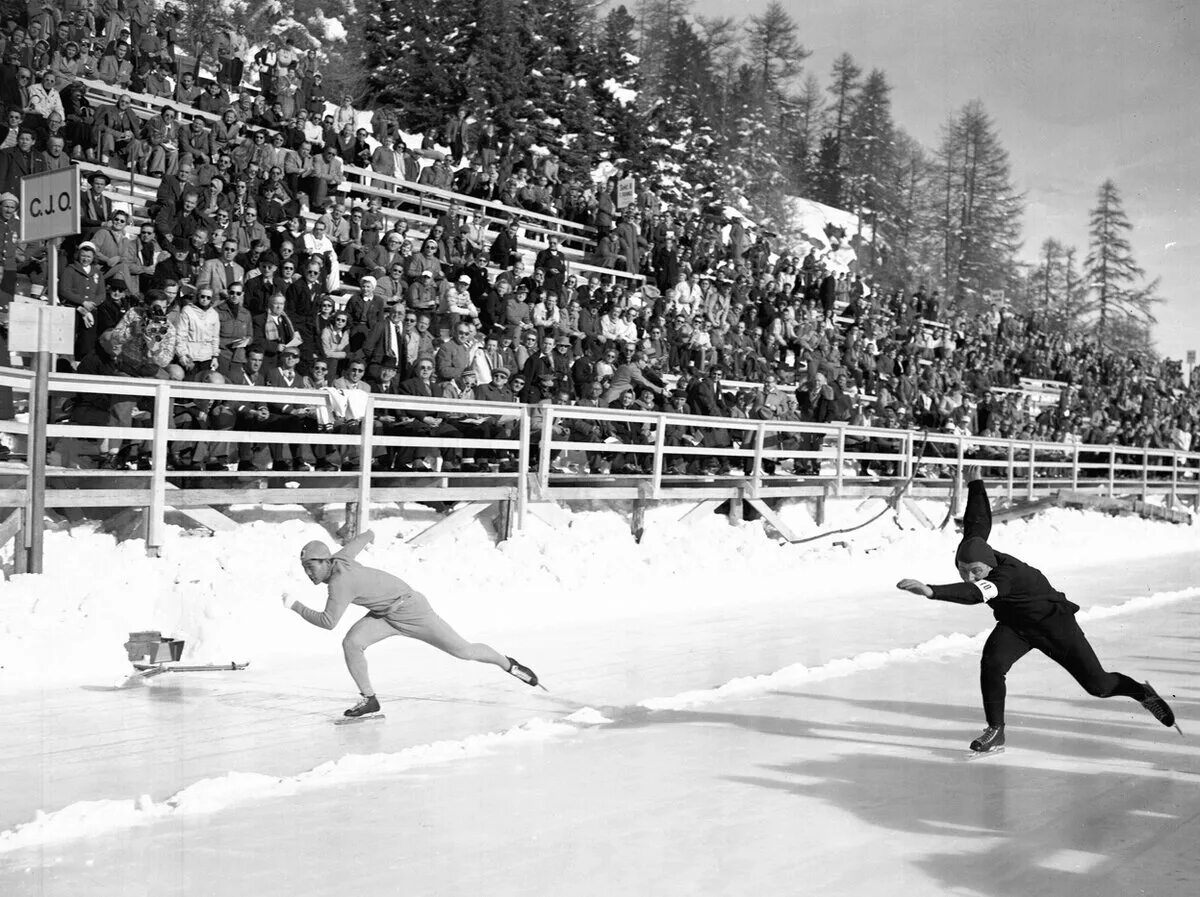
[(250, 266)]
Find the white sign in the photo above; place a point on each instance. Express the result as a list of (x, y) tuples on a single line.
[(50, 204), (625, 192), (33, 327)]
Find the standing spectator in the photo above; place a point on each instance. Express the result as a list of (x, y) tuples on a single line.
[(198, 335), (236, 329)]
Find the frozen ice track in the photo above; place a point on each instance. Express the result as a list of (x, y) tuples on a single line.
[(849, 785)]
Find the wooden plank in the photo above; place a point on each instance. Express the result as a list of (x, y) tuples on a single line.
[(455, 520), (769, 515), (10, 528), (700, 508), (914, 509), (202, 515)]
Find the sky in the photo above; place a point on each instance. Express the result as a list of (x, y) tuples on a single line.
[(1080, 91)]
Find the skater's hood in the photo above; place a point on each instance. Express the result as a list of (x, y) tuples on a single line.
[(972, 550), (315, 551)]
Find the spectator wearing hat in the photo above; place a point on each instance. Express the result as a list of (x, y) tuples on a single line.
[(94, 207), (81, 285), (539, 389), (106, 314), (286, 417)]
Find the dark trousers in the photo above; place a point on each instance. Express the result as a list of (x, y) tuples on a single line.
[(1060, 639)]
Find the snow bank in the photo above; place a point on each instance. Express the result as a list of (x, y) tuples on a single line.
[(222, 594), (91, 818)]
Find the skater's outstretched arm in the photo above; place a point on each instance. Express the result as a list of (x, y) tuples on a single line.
[(977, 521), (335, 607), (355, 545), (955, 592)]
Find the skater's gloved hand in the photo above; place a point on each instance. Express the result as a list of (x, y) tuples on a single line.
[(915, 586), (288, 601), (971, 473)]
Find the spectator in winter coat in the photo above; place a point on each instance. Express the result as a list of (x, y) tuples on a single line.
[(198, 335)]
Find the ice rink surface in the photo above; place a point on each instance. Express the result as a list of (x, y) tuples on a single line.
[(846, 777)]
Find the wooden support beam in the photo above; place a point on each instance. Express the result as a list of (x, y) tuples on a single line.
[(456, 519), (769, 515), (505, 520), (11, 528), (700, 509), (819, 510), (735, 508), (915, 510), (206, 517)]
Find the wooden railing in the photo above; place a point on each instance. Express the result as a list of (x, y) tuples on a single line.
[(542, 464)]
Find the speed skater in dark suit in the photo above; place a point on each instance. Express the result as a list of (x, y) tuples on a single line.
[(1030, 613)]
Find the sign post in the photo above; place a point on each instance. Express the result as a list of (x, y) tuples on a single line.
[(49, 210)]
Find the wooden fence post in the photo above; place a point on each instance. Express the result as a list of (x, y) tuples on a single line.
[(523, 468), (366, 447), (660, 441), (156, 513)]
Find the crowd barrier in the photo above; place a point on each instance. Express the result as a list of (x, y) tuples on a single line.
[(534, 454)]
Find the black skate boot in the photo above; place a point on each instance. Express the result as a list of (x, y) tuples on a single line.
[(367, 705), (991, 740), (522, 672), (1161, 709)]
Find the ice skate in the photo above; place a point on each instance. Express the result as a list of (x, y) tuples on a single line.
[(368, 705), (990, 741), (526, 675), (1161, 709)]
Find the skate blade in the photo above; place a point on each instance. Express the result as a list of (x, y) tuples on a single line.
[(543, 688), (1180, 731), (351, 720), (979, 755)]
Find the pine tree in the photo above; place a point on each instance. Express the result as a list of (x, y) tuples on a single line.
[(980, 219), (774, 49), (1118, 292), (845, 81), (902, 240), (683, 152), (868, 152), (416, 51), (657, 19), (616, 63), (495, 82)]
